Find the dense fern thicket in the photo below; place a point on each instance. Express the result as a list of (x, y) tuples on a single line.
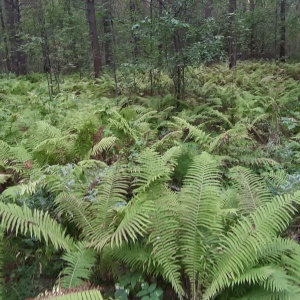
[(151, 196)]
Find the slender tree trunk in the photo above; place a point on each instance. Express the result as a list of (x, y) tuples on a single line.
[(108, 38), (282, 49), (208, 9), (231, 37), (252, 29), (132, 10), (7, 57), (18, 59), (91, 18)]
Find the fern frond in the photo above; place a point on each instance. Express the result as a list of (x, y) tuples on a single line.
[(112, 192), (152, 167), (252, 193), (197, 134), (92, 294), (200, 218), (117, 121), (272, 278), (170, 138), (20, 190), (104, 145), (135, 222), (79, 269), (135, 255), (76, 209), (36, 223), (165, 229), (249, 237)]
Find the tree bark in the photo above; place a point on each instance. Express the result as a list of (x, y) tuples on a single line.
[(7, 57), (91, 18), (282, 49), (252, 29), (231, 37), (108, 37), (208, 9), (18, 58), (132, 11)]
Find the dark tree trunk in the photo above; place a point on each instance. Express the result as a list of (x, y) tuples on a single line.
[(231, 36), (252, 29), (18, 59), (132, 10), (7, 58), (282, 49), (208, 9), (91, 18), (108, 37)]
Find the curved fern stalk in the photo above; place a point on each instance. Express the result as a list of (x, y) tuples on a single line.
[(169, 139), (252, 193), (200, 218), (146, 116), (197, 134), (117, 121), (238, 133), (36, 223), (79, 269), (250, 237), (134, 223), (104, 145), (76, 209)]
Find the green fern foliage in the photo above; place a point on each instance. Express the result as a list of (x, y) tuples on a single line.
[(35, 223), (79, 269), (252, 193)]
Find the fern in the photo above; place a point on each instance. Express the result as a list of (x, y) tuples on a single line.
[(252, 192), (91, 294), (104, 145), (249, 237), (200, 218), (36, 223), (79, 269)]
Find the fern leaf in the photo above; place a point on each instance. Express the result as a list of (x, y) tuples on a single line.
[(79, 269), (165, 229), (200, 217), (252, 193), (135, 222), (37, 223), (250, 236), (104, 145)]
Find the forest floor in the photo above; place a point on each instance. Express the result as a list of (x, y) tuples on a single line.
[(249, 116)]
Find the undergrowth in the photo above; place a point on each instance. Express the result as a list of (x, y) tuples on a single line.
[(59, 150)]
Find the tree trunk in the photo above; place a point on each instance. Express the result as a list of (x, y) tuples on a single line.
[(208, 9), (18, 59), (132, 10), (252, 29), (7, 57), (231, 37), (282, 49), (108, 38), (91, 18)]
